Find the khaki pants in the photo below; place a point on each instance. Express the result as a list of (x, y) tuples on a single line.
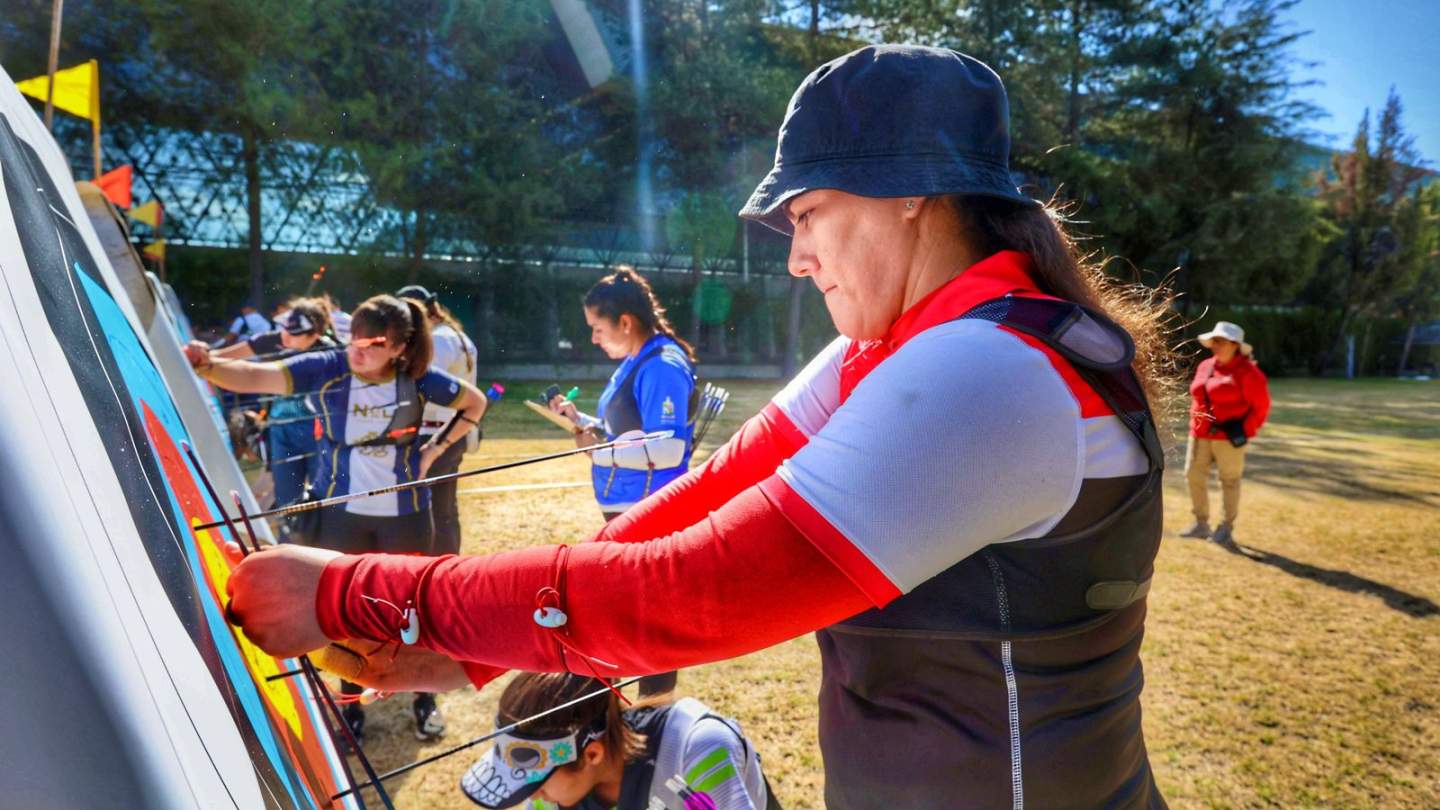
[(1199, 455)]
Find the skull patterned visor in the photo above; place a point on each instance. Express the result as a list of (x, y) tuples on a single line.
[(517, 765)]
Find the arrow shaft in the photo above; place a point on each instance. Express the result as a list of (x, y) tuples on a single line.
[(297, 508), (375, 781)]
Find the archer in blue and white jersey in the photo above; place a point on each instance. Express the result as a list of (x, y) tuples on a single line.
[(651, 390), (367, 429)]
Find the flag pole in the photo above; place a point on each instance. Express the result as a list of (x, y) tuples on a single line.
[(160, 234), (94, 108), (55, 13)]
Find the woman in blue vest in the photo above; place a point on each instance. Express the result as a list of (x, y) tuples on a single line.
[(370, 398), (651, 390)]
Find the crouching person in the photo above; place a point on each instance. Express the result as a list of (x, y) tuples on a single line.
[(595, 756)]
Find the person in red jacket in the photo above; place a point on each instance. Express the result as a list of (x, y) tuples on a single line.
[(1230, 399), (961, 494)]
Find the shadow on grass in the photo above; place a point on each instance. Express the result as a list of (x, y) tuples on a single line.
[(1400, 408), (389, 743), (1347, 474), (1408, 603)]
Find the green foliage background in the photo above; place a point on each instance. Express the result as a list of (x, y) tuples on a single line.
[(1171, 132)]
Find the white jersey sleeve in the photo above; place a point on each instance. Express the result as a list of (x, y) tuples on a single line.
[(718, 764), (812, 396), (964, 437)]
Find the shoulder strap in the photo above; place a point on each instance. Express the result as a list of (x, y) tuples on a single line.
[(640, 362), (624, 398), (1099, 350), (408, 410)]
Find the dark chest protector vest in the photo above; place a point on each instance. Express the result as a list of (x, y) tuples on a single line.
[(404, 422), (622, 413), (1012, 677)]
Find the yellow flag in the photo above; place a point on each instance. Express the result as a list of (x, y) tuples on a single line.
[(155, 250), (149, 213), (77, 89)]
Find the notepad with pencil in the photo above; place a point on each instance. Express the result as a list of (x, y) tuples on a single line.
[(540, 405)]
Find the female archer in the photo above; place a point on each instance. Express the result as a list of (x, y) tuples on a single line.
[(289, 434), (651, 390), (961, 494), (371, 398)]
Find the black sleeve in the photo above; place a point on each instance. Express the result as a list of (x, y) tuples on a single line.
[(265, 342)]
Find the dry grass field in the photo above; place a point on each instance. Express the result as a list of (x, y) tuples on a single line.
[(1301, 670)]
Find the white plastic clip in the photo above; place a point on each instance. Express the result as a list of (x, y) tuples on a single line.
[(411, 633), (550, 617)]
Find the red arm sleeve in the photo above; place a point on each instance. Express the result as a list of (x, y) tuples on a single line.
[(752, 455), (1257, 395), (739, 580)]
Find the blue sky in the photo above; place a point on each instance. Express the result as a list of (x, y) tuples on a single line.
[(1366, 47)]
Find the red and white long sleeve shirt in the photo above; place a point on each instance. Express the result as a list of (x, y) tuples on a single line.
[(880, 465)]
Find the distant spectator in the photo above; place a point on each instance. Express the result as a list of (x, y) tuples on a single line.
[(1230, 399), (248, 324)]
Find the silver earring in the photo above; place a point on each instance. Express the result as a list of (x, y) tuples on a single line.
[(910, 205)]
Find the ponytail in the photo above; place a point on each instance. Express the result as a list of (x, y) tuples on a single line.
[(419, 349), (402, 322), (438, 311), (626, 292)]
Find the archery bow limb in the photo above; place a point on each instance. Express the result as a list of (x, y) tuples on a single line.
[(437, 479), (375, 781)]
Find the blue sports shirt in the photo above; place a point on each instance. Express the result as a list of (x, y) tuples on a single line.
[(661, 387)]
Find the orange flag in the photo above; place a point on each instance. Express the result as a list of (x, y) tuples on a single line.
[(155, 250), (116, 185)]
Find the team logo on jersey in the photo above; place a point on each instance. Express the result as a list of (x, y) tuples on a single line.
[(667, 410)]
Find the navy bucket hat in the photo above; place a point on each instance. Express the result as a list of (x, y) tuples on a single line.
[(891, 121)]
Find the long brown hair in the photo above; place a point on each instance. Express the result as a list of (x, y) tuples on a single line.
[(626, 292), (534, 692), (402, 322), (1060, 269), (438, 311)]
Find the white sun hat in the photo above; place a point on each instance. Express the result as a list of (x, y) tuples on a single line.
[(1230, 332)]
